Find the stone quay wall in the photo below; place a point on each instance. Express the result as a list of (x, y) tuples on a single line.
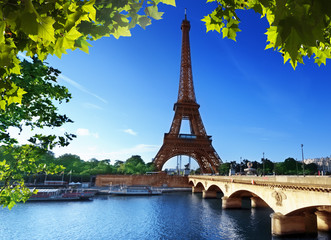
[(155, 180)]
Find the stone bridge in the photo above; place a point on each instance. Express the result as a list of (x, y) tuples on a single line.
[(301, 205)]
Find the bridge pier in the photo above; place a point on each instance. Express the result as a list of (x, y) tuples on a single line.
[(305, 223), (323, 220), (231, 202), (197, 189), (209, 194), (257, 202)]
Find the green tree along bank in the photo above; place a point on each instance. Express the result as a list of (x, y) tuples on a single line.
[(79, 169), (266, 167)]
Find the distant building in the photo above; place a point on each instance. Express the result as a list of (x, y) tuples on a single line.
[(323, 163), (174, 171)]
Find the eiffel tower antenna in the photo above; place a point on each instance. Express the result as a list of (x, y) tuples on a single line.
[(197, 144)]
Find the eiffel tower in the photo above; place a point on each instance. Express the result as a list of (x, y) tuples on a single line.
[(197, 144)]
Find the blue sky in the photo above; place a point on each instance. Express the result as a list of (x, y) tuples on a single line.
[(124, 91)]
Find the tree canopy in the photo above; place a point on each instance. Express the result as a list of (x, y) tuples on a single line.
[(72, 167), (37, 108), (266, 167), (297, 28), (39, 28)]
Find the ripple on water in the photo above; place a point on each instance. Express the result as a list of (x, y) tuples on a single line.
[(169, 216)]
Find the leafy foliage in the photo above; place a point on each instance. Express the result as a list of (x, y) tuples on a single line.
[(135, 165), (36, 110), (296, 28), (52, 27), (16, 163)]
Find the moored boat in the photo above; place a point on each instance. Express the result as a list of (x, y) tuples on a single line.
[(61, 195), (134, 190)]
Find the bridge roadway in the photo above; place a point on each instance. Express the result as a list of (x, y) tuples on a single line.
[(301, 205)]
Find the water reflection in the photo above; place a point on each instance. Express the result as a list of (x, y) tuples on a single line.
[(169, 216)]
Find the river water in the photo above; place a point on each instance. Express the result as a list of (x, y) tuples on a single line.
[(168, 216)]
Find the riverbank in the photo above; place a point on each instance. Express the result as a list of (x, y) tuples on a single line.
[(105, 190), (160, 179)]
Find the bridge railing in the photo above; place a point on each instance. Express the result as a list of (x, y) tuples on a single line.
[(308, 183)]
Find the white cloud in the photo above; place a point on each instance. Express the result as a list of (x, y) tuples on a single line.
[(96, 135), (80, 87), (86, 132), (82, 132), (130, 131)]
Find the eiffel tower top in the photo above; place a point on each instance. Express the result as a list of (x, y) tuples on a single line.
[(186, 89)]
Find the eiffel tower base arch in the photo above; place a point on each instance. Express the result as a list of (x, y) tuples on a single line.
[(199, 148)]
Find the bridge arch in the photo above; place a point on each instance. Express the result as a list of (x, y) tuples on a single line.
[(257, 200), (199, 184), (300, 205), (215, 189), (198, 187), (310, 209)]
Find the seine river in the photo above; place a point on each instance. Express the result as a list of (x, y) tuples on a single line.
[(168, 216)]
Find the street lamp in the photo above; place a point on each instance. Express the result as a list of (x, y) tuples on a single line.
[(240, 164), (303, 163), (263, 165)]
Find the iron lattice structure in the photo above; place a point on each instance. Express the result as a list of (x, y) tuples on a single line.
[(197, 144)]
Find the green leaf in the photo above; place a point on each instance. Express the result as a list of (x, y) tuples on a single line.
[(122, 32), (29, 23), (153, 12), (144, 21), (2, 32), (272, 35), (212, 26), (82, 44), (45, 28), (88, 7), (286, 57), (3, 104), (232, 33), (169, 2), (293, 44), (320, 58)]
